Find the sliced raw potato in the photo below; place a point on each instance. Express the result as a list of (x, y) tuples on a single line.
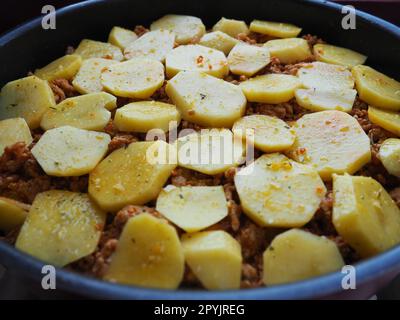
[(27, 98), (65, 67), (61, 227), (326, 99), (219, 40), (13, 131), (143, 116), (137, 78), (275, 29), (89, 112), (290, 50), (187, 29), (193, 208), (87, 79), (245, 59), (270, 88), (68, 151), (96, 49), (132, 175), (12, 214), (388, 120), (331, 142), (278, 192), (205, 100), (231, 27), (270, 134), (298, 255), (149, 254), (121, 37), (211, 152), (215, 258), (389, 153), (196, 58), (338, 55), (153, 45), (376, 88), (365, 215)]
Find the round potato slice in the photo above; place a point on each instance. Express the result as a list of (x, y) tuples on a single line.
[(278, 192), (65, 67), (187, 28), (388, 120), (290, 50), (96, 49), (376, 88), (337, 55), (275, 29), (121, 37), (389, 153), (12, 131), (196, 58), (245, 59), (219, 40), (231, 27), (136, 78), (270, 88)]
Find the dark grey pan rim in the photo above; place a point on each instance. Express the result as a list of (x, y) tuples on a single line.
[(330, 284)]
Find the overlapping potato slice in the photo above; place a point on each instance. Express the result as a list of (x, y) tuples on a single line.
[(187, 29), (12, 213), (96, 49), (279, 192), (275, 29), (205, 100), (215, 258), (121, 37), (132, 175), (231, 27), (338, 55), (389, 153), (68, 151), (12, 131), (148, 254), (376, 88), (27, 98), (61, 227), (153, 45), (298, 255), (365, 215), (289, 50), (388, 120), (196, 58), (331, 142), (245, 59), (65, 67), (193, 208), (270, 88), (219, 40), (137, 78)]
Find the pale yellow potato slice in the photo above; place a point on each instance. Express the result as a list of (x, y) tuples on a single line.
[(331, 142), (121, 37), (290, 50), (219, 40), (187, 29), (193, 208), (245, 59), (61, 227), (275, 29), (137, 78), (270, 88), (149, 254), (376, 88), (89, 112), (12, 214), (196, 58), (365, 215), (131, 175), (96, 49), (206, 100), (297, 255), (13, 131), (388, 120), (389, 153), (270, 134), (68, 151), (276, 191), (338, 55), (143, 116), (153, 45), (215, 258), (27, 98), (231, 27), (65, 67)]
